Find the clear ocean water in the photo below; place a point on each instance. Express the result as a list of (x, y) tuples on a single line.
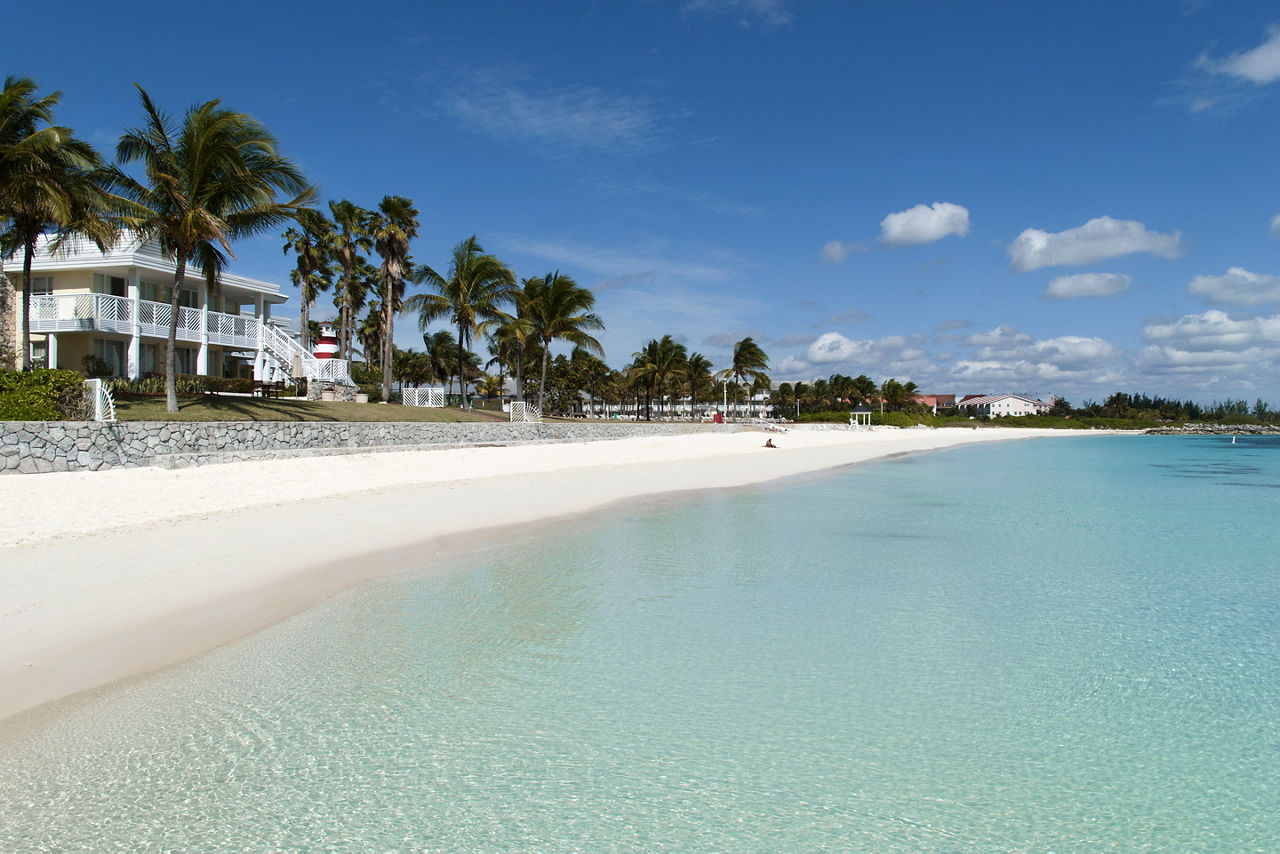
[(1068, 644)]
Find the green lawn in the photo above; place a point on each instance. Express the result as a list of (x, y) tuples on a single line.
[(213, 407)]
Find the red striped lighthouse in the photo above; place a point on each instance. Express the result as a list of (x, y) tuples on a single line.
[(326, 343)]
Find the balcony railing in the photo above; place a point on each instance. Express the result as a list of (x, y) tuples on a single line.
[(80, 312), (106, 313)]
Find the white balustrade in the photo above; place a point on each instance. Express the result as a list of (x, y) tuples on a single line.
[(153, 317), (107, 313), (81, 312), (431, 397)]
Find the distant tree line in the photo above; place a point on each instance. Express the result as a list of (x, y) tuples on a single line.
[(1141, 406)]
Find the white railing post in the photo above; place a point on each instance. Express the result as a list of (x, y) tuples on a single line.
[(104, 405)]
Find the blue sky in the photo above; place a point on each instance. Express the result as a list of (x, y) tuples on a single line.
[(1065, 199)]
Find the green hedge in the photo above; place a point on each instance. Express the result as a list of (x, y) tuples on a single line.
[(42, 395), (186, 384)]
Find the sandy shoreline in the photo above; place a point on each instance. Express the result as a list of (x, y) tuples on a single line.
[(110, 574)]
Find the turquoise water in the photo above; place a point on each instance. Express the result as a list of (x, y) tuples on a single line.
[(1066, 644)]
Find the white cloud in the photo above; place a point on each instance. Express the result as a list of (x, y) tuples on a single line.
[(1006, 344), (617, 264), (1053, 366), (1097, 240), (1237, 287), (924, 224), (1001, 336), (1075, 351), (1214, 353), (1259, 65), (1216, 330), (773, 13), (1275, 226), (836, 251), (792, 366), (834, 347), (1086, 285), (509, 107)]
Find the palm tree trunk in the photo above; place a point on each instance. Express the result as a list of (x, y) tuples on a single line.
[(462, 377), (542, 385), (304, 318), (28, 250), (386, 343), (170, 353), (520, 370)]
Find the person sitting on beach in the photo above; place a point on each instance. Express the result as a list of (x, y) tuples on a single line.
[(768, 443)]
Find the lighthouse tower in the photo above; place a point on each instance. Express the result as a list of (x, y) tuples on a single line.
[(326, 344)]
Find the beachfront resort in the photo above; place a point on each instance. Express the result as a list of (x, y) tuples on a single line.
[(662, 450)]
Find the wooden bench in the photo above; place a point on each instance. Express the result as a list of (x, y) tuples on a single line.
[(264, 389)]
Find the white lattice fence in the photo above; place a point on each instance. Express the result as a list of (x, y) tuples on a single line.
[(525, 413), (104, 405), (433, 397)]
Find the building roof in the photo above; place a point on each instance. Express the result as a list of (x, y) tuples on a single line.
[(979, 400)]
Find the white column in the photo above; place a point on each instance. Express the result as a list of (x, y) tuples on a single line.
[(52, 339), (259, 359), (133, 359), (202, 358)]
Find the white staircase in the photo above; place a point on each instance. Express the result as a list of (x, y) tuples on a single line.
[(297, 362)]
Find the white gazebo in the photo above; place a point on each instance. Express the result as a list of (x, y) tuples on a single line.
[(860, 417)]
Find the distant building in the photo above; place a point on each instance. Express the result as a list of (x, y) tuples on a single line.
[(936, 403), (1007, 405)]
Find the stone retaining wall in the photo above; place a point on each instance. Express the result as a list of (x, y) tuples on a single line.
[(28, 447)]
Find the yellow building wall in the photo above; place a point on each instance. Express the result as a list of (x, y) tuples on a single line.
[(72, 348)]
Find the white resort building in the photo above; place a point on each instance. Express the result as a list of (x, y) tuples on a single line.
[(115, 306), (993, 405)]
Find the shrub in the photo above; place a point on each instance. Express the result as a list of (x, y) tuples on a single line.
[(42, 395), (186, 384), (95, 367)]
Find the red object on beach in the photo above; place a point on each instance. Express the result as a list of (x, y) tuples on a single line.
[(718, 418)]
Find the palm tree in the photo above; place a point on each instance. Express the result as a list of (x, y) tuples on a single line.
[(748, 361), (369, 334), (212, 179), (472, 296), (518, 329), (441, 348), (896, 395), (352, 238), (48, 180), (592, 371), (698, 373), (559, 310), (656, 365), (490, 386), (312, 240), (395, 225), (863, 388)]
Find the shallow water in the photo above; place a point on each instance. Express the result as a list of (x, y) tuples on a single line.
[(1066, 644)]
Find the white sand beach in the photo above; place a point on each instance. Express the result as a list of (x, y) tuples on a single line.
[(109, 574)]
